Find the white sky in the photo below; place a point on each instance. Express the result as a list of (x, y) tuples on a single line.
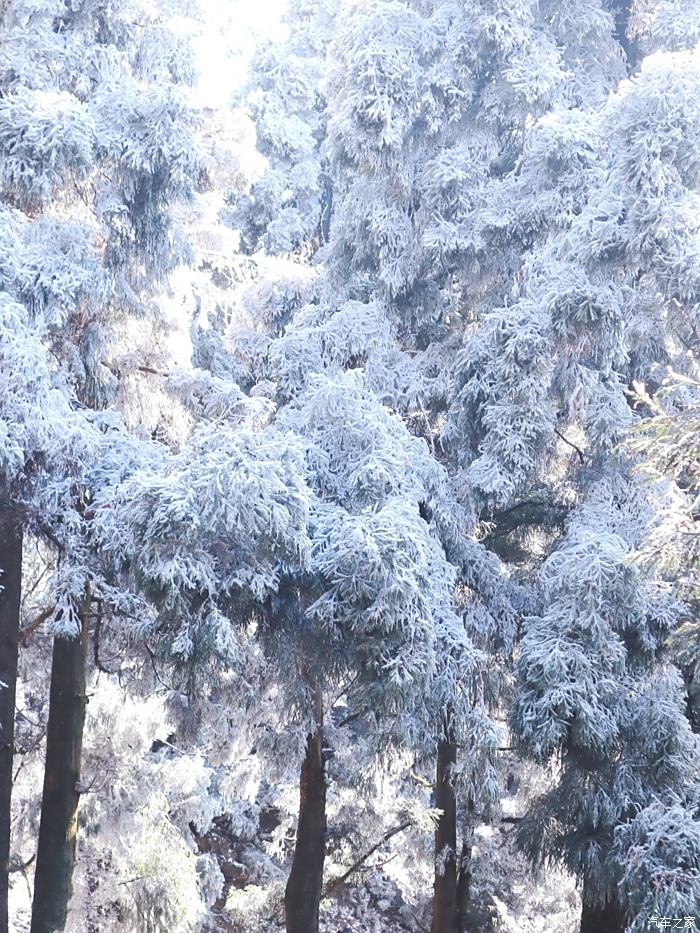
[(230, 32)]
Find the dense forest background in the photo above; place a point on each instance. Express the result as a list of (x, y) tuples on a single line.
[(349, 466)]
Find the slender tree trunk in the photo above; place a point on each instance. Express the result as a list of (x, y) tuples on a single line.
[(445, 887), (324, 223), (10, 594), (464, 876), (59, 805), (607, 919), (303, 892), (692, 701)]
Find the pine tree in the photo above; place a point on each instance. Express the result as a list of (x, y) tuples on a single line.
[(288, 208), (44, 440), (428, 108), (378, 606), (592, 313), (96, 143)]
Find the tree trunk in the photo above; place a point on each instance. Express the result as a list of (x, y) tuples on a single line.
[(59, 805), (302, 895), (464, 877), (607, 919), (10, 594), (445, 887)]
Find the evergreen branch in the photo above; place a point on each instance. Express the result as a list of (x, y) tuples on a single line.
[(528, 512), (151, 655)]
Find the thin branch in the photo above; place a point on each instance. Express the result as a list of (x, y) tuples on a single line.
[(34, 625), (351, 718), (23, 866), (571, 444), (132, 880), (525, 504), (26, 718), (378, 865), (345, 689), (389, 834), (152, 656), (96, 641), (527, 512), (149, 370), (29, 590), (424, 782), (152, 372), (47, 532)]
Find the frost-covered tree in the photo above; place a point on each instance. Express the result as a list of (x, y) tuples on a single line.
[(604, 292), (489, 222), (284, 540), (667, 443), (593, 691), (44, 440), (97, 141), (288, 208), (428, 104), (661, 836), (665, 253), (428, 107), (375, 609), (320, 341)]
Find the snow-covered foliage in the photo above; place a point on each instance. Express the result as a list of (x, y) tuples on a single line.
[(184, 529), (658, 850), (362, 409), (592, 692), (288, 208)]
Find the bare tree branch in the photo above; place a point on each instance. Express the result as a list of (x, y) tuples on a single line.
[(35, 623), (571, 444), (389, 834)]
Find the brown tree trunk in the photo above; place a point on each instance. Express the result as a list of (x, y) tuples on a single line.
[(302, 895), (445, 886), (59, 805), (10, 595), (464, 876), (607, 919)]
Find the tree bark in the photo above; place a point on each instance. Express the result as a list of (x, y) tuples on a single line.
[(445, 886), (59, 805), (464, 876), (10, 597), (302, 895), (607, 919)]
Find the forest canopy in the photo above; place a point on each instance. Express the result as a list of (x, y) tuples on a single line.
[(349, 466)]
